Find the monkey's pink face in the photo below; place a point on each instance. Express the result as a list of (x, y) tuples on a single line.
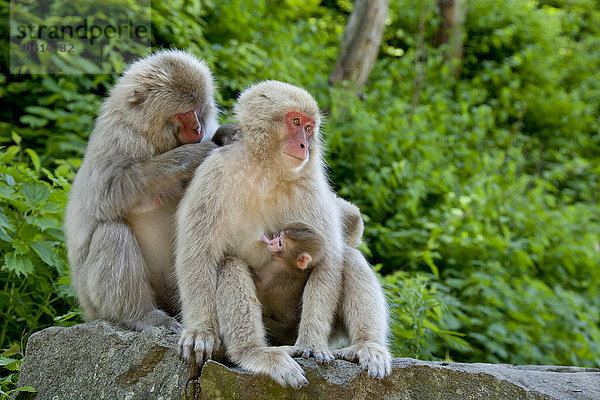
[(276, 244), (191, 126), (299, 130)]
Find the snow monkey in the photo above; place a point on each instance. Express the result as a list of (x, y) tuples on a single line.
[(279, 285), (119, 219), (272, 177)]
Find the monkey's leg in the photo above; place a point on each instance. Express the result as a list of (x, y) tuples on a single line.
[(116, 280), (365, 317), (242, 330)]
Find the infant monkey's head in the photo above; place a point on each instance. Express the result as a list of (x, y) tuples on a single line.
[(297, 244)]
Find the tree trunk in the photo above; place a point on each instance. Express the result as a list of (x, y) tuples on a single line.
[(360, 44), (451, 31), (420, 63)]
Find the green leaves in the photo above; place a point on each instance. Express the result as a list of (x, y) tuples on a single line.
[(33, 265), (35, 193), (493, 189), (9, 362)]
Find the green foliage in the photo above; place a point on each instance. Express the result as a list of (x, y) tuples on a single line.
[(482, 213), (10, 361), (493, 188), (419, 305), (34, 274)]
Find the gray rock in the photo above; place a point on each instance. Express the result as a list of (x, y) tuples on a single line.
[(100, 361)]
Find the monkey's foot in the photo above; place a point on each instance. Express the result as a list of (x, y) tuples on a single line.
[(276, 363), (371, 357), (155, 318), (321, 356), (203, 344)]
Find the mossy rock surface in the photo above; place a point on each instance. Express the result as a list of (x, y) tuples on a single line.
[(100, 361)]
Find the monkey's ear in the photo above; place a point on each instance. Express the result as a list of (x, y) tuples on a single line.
[(139, 96), (303, 260)]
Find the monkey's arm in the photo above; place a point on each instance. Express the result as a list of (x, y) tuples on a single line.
[(319, 304), (201, 231), (163, 175)]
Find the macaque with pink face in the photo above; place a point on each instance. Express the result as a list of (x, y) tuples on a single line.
[(274, 175), (153, 131)]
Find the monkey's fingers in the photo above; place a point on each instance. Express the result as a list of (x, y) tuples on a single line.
[(292, 377), (372, 357), (323, 356), (185, 346), (276, 363), (205, 347), (226, 134), (203, 344), (347, 353), (377, 363)]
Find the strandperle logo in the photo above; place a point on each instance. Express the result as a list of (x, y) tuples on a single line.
[(78, 36), (82, 32)]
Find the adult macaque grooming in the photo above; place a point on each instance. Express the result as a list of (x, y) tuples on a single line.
[(272, 177), (119, 220), (279, 285)]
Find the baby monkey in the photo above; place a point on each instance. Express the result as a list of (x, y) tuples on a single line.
[(280, 284)]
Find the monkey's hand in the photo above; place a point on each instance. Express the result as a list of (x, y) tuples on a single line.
[(321, 354), (200, 344), (226, 134), (371, 357), (276, 363)]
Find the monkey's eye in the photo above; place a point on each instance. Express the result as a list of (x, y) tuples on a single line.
[(296, 121), (308, 128)]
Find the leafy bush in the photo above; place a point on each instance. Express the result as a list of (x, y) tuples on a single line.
[(420, 307), (34, 275), (12, 365), (493, 188), (33, 255)]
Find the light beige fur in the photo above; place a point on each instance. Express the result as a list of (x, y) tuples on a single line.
[(251, 187), (241, 191), (119, 219)]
